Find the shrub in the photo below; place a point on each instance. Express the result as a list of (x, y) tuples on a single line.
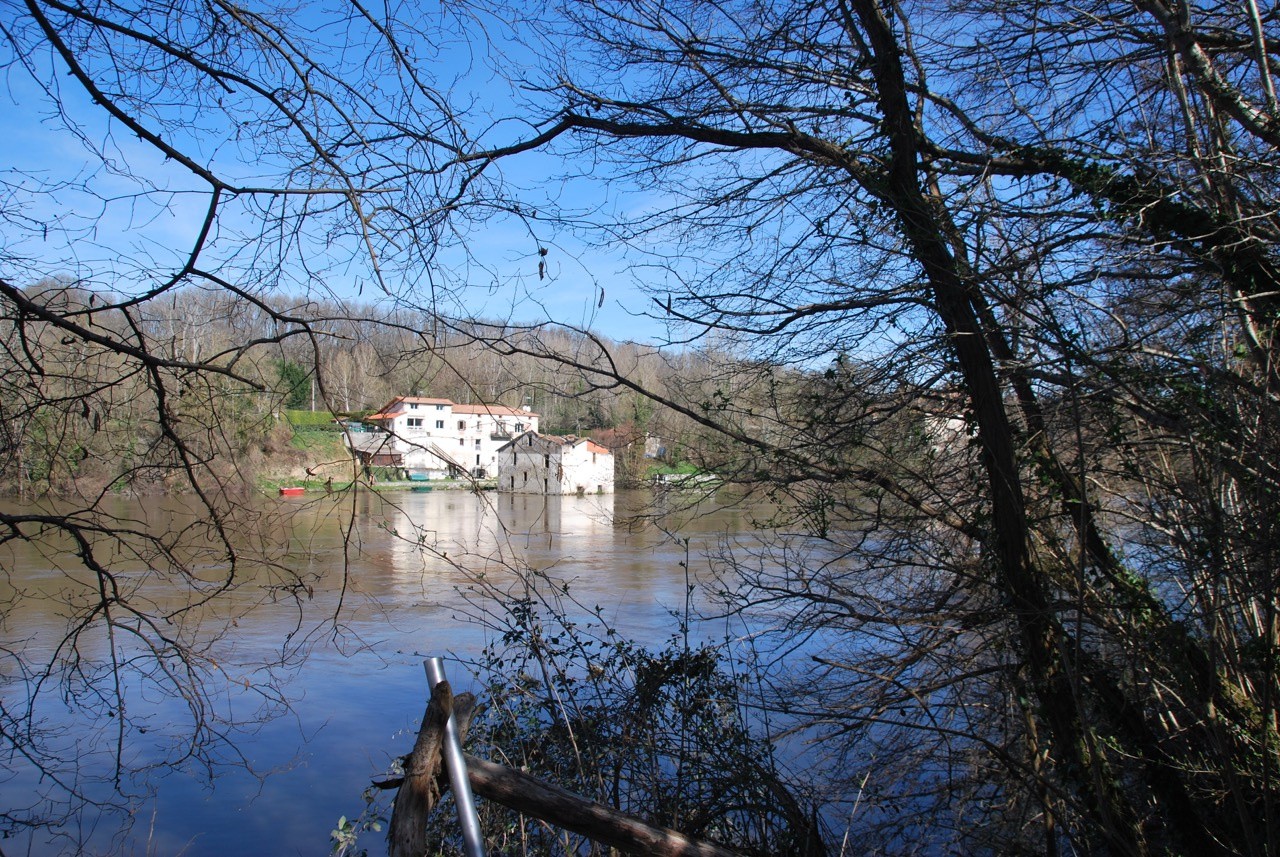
[(312, 421), (661, 733)]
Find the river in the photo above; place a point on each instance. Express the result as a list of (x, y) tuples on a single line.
[(352, 688)]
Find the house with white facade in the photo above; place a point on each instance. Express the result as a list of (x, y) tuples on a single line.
[(435, 438), (549, 464)]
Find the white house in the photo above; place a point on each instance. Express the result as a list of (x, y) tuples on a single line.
[(438, 437), (482, 430), (548, 464)]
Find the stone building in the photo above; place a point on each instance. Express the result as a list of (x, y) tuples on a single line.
[(535, 463)]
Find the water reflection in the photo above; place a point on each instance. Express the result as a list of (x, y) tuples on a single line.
[(493, 531), (380, 581)]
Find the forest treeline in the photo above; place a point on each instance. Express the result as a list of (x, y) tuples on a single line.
[(84, 417)]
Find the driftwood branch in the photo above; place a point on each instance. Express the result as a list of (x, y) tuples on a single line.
[(531, 796), (424, 782)]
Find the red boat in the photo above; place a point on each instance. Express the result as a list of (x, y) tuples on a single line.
[(292, 491)]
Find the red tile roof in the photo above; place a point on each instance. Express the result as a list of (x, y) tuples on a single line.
[(393, 407), (495, 410), (396, 407)]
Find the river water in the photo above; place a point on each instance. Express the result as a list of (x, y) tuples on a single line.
[(352, 688)]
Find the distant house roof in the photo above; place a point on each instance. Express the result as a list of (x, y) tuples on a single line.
[(525, 434), (370, 443), (396, 406), (399, 404), (574, 440), (494, 410), (560, 440)]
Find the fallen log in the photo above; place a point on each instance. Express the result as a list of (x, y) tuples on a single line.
[(424, 782), (528, 794)]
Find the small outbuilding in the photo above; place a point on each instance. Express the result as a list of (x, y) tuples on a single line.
[(535, 463)]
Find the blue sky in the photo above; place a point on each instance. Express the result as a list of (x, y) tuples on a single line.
[(86, 220)]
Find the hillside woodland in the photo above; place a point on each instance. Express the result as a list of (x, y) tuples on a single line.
[(87, 421)]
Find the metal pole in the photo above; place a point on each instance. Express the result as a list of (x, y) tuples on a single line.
[(457, 767)]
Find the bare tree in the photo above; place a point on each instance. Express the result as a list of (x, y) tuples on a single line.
[(218, 174), (1055, 227), (987, 292)]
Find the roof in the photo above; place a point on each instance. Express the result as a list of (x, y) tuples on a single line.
[(494, 410), (393, 407), (559, 440), (522, 436), (371, 442)]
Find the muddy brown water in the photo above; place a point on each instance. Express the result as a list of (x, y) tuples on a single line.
[(379, 583)]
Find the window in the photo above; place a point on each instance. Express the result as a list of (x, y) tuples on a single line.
[(526, 478), (439, 424), (440, 408), (414, 422), (462, 425), (519, 427), (477, 457), (546, 460), (462, 441), (477, 443), (530, 440), (413, 406)]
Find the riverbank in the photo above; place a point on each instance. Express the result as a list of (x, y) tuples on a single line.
[(289, 455), (331, 486)]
